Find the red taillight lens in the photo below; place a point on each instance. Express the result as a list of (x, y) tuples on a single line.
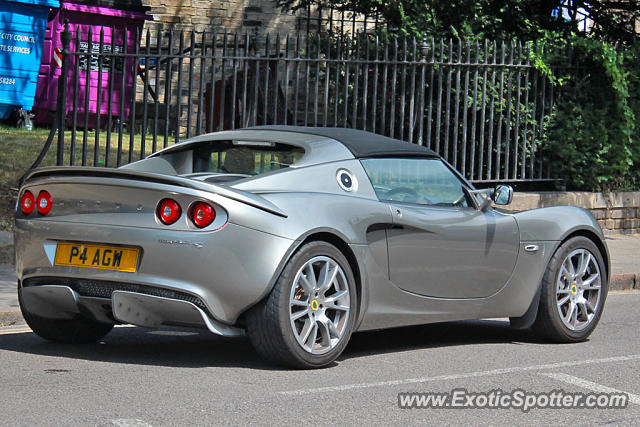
[(202, 214), (169, 211), (27, 202), (44, 202)]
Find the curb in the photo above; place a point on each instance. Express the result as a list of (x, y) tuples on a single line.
[(7, 253), (11, 318), (623, 281)]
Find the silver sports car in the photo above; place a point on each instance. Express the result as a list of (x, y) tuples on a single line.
[(296, 237)]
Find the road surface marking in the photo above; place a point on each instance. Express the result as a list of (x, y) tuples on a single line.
[(130, 422), (589, 385), (624, 292), (9, 330), (461, 376)]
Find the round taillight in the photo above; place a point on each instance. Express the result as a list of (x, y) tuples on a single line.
[(27, 202), (169, 211), (44, 202), (202, 214)]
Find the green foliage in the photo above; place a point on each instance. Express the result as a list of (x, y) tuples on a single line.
[(633, 66), (590, 139), (592, 142), (493, 19)]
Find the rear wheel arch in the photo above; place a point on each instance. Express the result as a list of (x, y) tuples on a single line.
[(343, 247), (273, 325), (318, 236)]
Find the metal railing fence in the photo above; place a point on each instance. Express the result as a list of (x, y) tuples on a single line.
[(482, 105)]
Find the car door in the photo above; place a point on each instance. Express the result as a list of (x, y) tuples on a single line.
[(440, 244)]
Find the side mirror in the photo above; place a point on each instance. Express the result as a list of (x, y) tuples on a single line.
[(502, 195)]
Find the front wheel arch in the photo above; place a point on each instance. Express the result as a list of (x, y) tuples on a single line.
[(526, 320), (596, 241), (547, 324)]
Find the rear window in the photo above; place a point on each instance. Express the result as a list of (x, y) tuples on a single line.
[(244, 157)]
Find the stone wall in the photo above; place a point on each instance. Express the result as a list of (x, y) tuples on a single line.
[(616, 212)]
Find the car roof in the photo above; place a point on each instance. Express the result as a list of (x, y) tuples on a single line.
[(321, 145), (359, 142)]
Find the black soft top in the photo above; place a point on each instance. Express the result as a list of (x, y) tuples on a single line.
[(359, 142)]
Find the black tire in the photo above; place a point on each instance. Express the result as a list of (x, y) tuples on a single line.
[(269, 324), (79, 330), (548, 323)]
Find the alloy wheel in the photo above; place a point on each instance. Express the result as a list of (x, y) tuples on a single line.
[(319, 305), (578, 289)]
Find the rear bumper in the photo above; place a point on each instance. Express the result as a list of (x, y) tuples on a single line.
[(227, 270), (63, 302)]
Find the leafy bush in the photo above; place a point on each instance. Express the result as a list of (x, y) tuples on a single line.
[(592, 142)]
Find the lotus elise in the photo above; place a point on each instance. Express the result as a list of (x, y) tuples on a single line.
[(296, 237)]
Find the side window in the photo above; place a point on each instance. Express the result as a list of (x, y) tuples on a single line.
[(423, 180)]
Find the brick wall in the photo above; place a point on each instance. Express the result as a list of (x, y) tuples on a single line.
[(616, 212), (199, 18), (234, 15)]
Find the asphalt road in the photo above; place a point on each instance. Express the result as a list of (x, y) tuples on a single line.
[(179, 377)]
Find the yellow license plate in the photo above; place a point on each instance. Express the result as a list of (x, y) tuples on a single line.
[(104, 257)]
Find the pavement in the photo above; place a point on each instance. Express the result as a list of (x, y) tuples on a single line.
[(6, 238), (625, 261), (624, 250), (167, 377), (9, 309)]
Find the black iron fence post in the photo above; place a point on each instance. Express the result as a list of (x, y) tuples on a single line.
[(424, 51), (65, 38)]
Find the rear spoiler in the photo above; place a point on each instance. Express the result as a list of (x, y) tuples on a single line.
[(230, 193)]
